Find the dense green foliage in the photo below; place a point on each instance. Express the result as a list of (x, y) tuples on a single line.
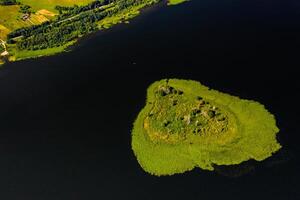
[(71, 24), (186, 125), (66, 11), (1, 48), (174, 116), (8, 2), (26, 9), (24, 54), (50, 5)]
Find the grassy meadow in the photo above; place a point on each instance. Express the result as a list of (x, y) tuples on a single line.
[(10, 17), (3, 32)]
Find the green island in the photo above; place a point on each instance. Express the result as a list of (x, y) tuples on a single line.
[(186, 125), (34, 28)]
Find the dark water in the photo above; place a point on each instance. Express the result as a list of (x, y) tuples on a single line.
[(66, 120)]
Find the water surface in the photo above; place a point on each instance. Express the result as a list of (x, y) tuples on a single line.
[(66, 119)]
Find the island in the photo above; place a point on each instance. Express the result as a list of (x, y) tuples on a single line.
[(186, 125), (34, 28)]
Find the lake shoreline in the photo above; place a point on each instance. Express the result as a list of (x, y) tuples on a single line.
[(122, 25), (26, 55)]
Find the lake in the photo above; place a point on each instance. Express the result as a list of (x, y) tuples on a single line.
[(66, 119)]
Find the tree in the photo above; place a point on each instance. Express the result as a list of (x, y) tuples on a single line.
[(8, 2)]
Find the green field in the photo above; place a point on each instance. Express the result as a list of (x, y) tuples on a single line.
[(185, 125), (50, 4), (10, 19), (3, 32)]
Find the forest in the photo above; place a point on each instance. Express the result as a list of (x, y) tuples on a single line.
[(72, 23)]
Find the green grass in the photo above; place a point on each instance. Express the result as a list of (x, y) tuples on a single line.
[(25, 54), (175, 2), (50, 4), (121, 17), (10, 17), (1, 49), (3, 32), (170, 138), (175, 117)]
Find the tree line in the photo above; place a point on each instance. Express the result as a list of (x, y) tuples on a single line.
[(9, 2), (66, 11), (77, 21)]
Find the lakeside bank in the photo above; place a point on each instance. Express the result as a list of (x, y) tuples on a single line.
[(121, 17)]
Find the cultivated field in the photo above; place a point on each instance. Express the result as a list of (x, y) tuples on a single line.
[(10, 17)]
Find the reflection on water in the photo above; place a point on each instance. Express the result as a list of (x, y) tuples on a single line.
[(248, 167), (236, 170)]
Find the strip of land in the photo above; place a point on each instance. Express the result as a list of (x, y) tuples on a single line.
[(31, 28)]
